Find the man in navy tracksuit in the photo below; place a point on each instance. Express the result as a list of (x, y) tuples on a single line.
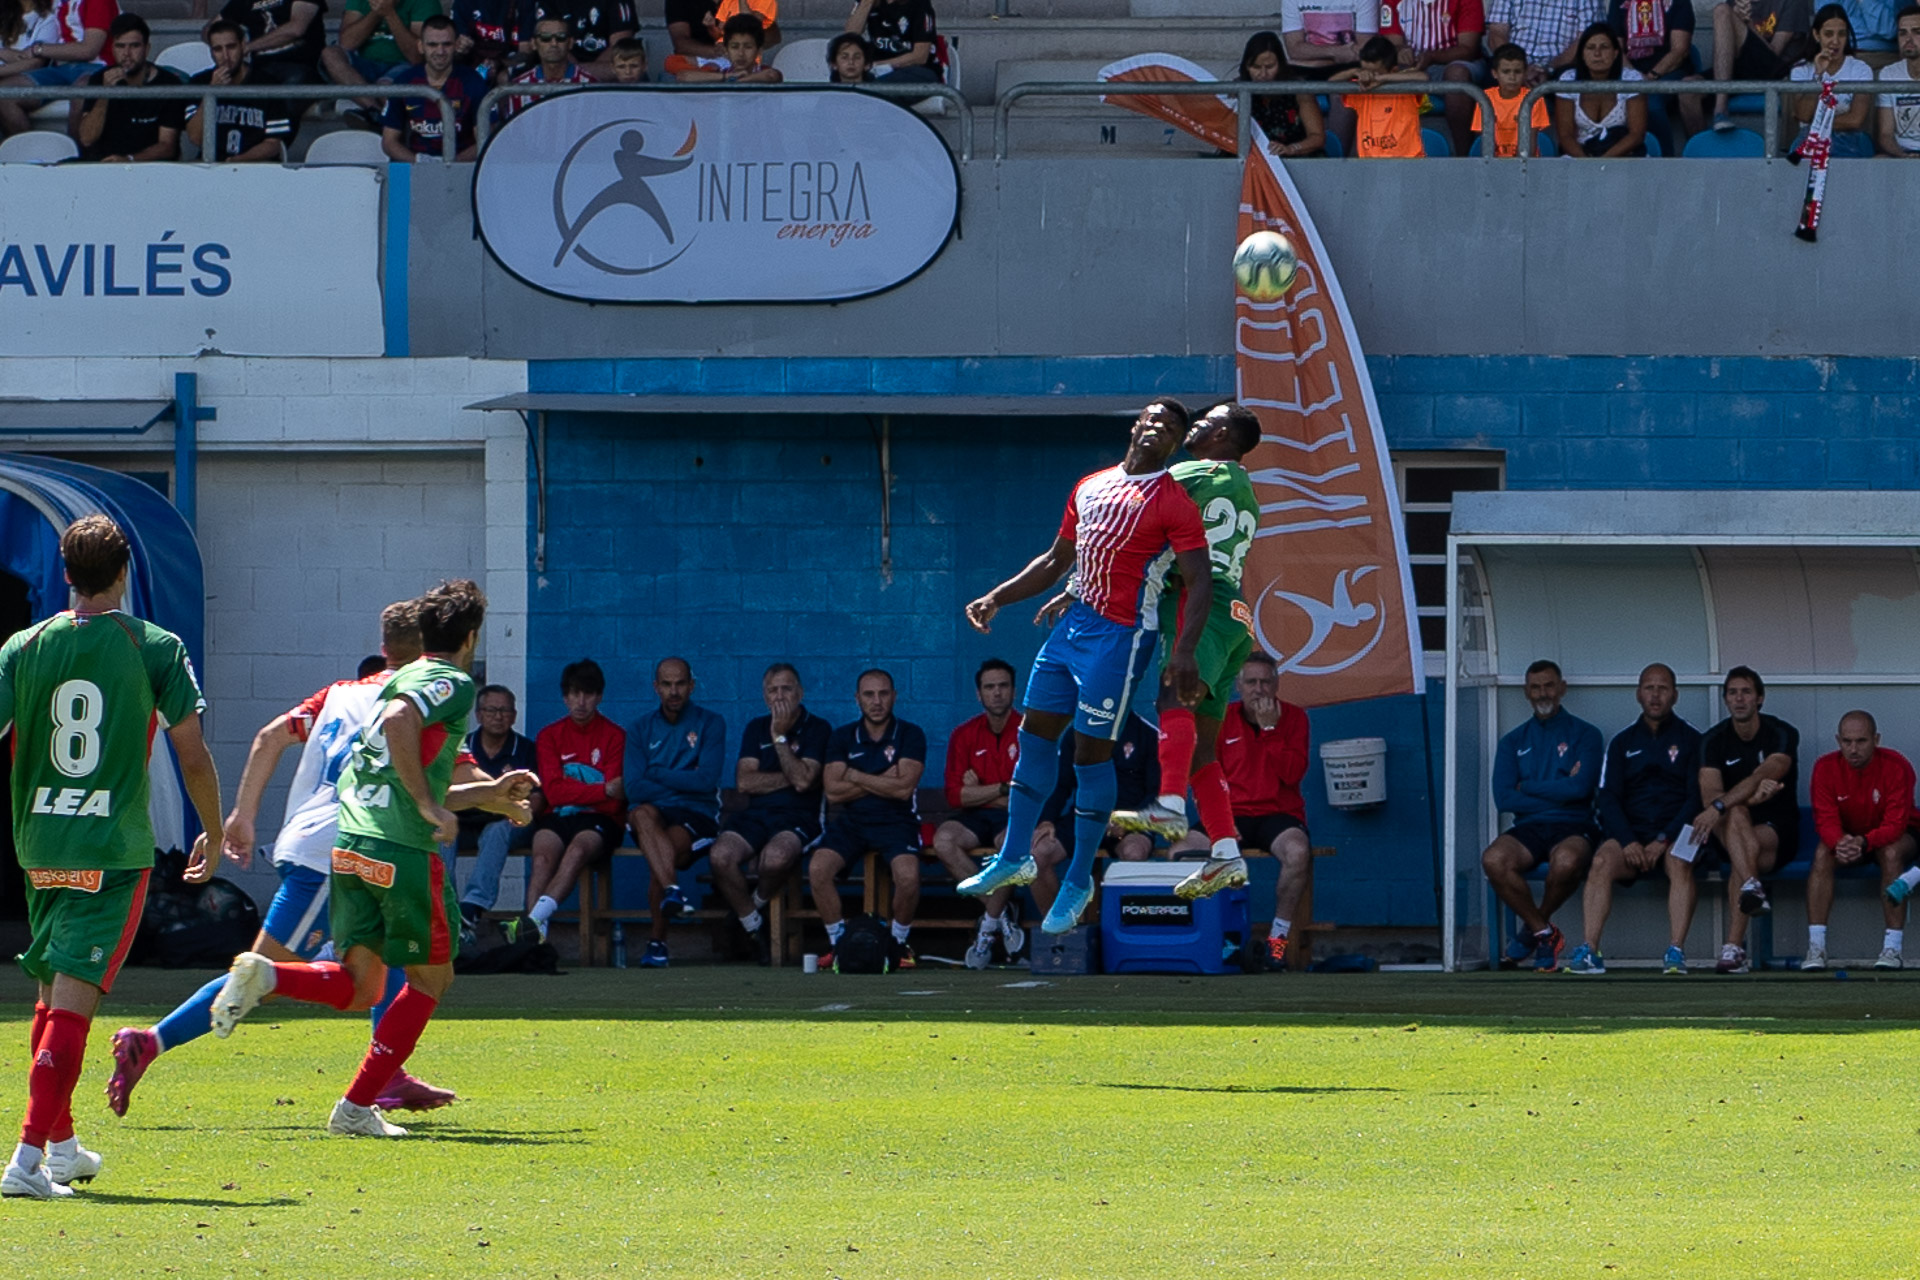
[(1646, 795), (1544, 774), (674, 758)]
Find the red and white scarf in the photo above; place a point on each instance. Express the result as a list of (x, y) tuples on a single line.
[(1816, 148), (1646, 29)]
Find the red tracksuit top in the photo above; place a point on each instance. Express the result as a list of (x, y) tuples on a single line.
[(1875, 802), (1264, 766)]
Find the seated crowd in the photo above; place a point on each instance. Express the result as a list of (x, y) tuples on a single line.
[(807, 790), (1663, 799)]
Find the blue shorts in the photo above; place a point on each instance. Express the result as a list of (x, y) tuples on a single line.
[(62, 74), (374, 72), (297, 917), (1090, 668)]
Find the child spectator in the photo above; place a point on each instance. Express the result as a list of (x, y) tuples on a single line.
[(1833, 60), (1508, 92), (742, 37), (1387, 125), (848, 61), (1292, 125), (630, 61), (1601, 125)]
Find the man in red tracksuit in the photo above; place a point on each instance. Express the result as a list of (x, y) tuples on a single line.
[(1862, 808), (582, 758), (1263, 749)]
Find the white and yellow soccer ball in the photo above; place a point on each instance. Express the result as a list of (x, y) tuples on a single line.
[(1264, 265)]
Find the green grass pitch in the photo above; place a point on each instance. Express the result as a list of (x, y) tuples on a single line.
[(715, 1122)]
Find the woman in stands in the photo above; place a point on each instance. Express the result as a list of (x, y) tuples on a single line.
[(1292, 124), (1833, 60), (848, 61), (1602, 125), (24, 24)]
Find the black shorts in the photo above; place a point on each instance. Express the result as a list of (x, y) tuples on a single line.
[(569, 825), (851, 838), (1260, 831), (1789, 845), (757, 829), (1657, 870), (1756, 60), (1539, 838), (985, 824), (699, 825)]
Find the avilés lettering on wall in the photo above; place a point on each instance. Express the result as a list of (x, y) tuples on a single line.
[(729, 195)]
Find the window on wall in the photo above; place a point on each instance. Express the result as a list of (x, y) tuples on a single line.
[(1427, 483)]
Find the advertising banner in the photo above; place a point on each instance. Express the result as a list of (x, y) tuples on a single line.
[(1210, 119), (175, 260), (729, 195)]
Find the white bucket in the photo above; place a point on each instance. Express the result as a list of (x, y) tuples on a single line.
[(1356, 770)]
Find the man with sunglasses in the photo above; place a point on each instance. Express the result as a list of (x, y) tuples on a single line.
[(553, 46)]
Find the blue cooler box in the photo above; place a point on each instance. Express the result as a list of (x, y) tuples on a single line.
[(1145, 929)]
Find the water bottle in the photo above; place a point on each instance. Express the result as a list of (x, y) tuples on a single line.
[(619, 946)]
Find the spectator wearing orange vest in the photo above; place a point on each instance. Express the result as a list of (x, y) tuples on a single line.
[(1508, 93), (1387, 125)]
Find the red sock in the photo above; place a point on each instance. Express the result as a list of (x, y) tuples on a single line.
[(1178, 734), (393, 1042), (40, 1012), (1215, 802), (322, 983), (50, 1081)]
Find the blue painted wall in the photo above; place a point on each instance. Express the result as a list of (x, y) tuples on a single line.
[(739, 541)]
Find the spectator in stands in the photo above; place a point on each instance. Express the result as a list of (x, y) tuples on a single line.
[(674, 757), (848, 60), (489, 34), (872, 768), (1291, 124), (1263, 748), (244, 131), (1441, 38), (378, 38), (496, 750), (741, 39), (371, 665), (1386, 126), (1644, 801), (122, 130), (1544, 774), (1863, 809), (582, 759), (74, 51), (285, 38), (1600, 125), (981, 754), (1548, 30), (694, 25), (630, 61), (23, 25), (1899, 124), (1749, 773), (1508, 94), (553, 45), (411, 128), (1322, 36), (1757, 40), (1874, 23), (900, 36), (597, 25), (1657, 36), (1833, 59), (781, 757)]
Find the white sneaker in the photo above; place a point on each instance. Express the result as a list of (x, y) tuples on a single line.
[(980, 953), (34, 1184), (1889, 958), (350, 1121), (69, 1162), (1013, 939), (249, 981), (1816, 959)]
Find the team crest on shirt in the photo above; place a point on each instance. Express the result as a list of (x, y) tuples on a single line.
[(693, 740), (1126, 750), (1013, 751), (596, 756), (888, 753), (1876, 795), (1561, 749), (1673, 754)]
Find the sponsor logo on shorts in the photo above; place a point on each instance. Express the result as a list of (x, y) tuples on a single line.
[(1241, 614), (57, 878), (99, 954), (1104, 712), (371, 870)]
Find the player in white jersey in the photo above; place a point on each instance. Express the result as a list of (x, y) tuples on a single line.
[(296, 924)]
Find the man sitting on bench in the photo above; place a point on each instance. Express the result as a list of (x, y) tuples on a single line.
[(674, 757), (1862, 808), (1263, 748), (981, 754)]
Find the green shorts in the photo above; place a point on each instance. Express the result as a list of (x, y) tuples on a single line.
[(393, 900), (1225, 644), (83, 923)]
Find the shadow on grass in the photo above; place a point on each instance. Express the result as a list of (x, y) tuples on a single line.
[(185, 1202), (1254, 1088)]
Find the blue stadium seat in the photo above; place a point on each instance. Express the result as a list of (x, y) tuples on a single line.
[(1747, 104), (1333, 148), (1733, 144), (1544, 139), (1435, 143), (1653, 146)]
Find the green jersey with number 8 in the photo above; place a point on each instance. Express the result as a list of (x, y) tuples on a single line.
[(84, 694), (372, 800), (1230, 513)]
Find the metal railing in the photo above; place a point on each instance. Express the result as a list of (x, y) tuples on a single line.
[(1243, 90), (915, 92), (1769, 89), (208, 95)]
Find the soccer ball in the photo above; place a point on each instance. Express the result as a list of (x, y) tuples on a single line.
[(1263, 266)]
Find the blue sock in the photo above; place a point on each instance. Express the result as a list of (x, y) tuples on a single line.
[(1097, 791), (1034, 776), (396, 979), (193, 1019)]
